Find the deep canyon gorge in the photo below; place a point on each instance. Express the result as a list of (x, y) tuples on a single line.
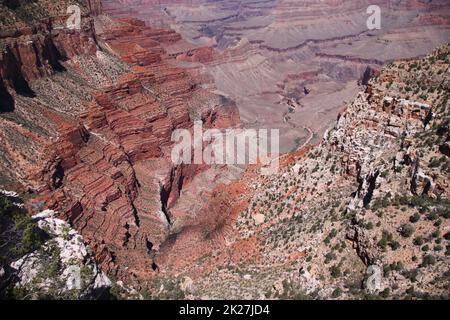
[(87, 115)]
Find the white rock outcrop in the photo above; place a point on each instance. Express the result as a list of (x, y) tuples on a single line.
[(76, 273)]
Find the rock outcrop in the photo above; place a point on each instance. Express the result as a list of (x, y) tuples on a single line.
[(94, 127), (363, 214), (86, 122), (36, 49), (63, 267), (266, 52)]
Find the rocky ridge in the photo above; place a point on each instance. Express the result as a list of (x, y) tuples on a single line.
[(364, 214), (63, 267), (93, 111), (267, 52), (94, 126)]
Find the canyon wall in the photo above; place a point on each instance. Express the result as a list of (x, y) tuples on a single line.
[(267, 52), (86, 130), (86, 119), (370, 200)]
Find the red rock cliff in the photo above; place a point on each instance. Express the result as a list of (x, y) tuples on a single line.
[(88, 127)]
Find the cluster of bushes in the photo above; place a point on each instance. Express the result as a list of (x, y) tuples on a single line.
[(171, 291), (388, 240), (19, 235), (406, 230), (291, 293)]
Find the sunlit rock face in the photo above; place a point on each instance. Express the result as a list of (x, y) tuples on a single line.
[(266, 52), (63, 267), (86, 119), (87, 128)]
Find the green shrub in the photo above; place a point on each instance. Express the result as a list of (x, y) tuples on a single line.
[(19, 235), (329, 257), (406, 230), (385, 293), (337, 292), (432, 216), (428, 260), (386, 239), (411, 274), (335, 271), (414, 218), (394, 245), (418, 241)]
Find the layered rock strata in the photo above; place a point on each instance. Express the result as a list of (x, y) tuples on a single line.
[(87, 128)]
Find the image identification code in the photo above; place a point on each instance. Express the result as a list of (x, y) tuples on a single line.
[(227, 309)]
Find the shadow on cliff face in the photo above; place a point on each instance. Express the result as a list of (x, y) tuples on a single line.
[(21, 86), (18, 81), (6, 100), (13, 4), (53, 56), (15, 77)]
